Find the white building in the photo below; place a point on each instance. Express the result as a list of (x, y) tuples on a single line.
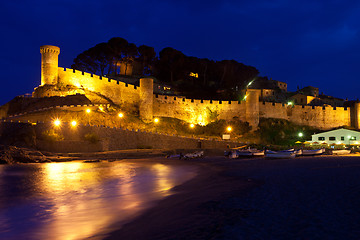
[(338, 136)]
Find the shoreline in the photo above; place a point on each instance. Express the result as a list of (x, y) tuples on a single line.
[(194, 210)]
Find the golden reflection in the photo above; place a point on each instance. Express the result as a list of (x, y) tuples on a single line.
[(83, 199), (163, 177)]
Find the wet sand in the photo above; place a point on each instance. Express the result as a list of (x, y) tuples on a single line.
[(257, 199), (194, 211)]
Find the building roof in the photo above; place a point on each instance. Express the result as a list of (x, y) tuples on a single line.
[(337, 131)]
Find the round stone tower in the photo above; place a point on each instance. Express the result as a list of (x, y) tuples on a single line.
[(49, 64), (146, 99), (252, 108), (355, 115)]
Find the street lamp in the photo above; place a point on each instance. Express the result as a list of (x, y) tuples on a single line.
[(301, 134), (57, 122), (120, 115), (229, 129), (73, 123), (156, 120)]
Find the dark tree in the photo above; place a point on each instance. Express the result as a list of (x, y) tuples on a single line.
[(118, 48), (147, 57)]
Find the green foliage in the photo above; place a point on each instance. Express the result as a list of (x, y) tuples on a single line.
[(52, 136), (211, 115), (92, 137), (282, 132)]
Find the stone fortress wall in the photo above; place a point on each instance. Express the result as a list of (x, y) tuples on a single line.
[(191, 110)]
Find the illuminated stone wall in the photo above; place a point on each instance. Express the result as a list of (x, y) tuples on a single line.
[(118, 92), (191, 110), (319, 117), (197, 111)]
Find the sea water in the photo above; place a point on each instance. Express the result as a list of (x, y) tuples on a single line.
[(77, 200)]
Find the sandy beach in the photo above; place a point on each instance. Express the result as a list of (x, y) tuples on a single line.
[(257, 199)]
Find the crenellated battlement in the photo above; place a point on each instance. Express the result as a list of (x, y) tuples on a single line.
[(141, 98), (49, 49)]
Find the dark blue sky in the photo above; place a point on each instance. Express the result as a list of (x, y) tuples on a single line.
[(302, 43)]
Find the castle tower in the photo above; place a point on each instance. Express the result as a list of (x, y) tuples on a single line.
[(252, 107), (49, 64), (355, 115), (146, 99)]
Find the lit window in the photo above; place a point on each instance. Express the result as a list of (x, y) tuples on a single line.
[(195, 75), (321, 138), (332, 138)]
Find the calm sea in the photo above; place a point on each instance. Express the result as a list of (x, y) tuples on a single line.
[(77, 200)]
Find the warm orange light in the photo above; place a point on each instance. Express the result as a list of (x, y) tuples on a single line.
[(57, 122), (229, 129), (120, 115), (101, 108), (88, 110), (156, 120), (192, 125), (73, 123)]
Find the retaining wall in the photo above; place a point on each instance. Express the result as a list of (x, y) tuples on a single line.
[(110, 138)]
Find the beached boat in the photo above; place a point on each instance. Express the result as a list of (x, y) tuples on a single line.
[(313, 152), (197, 154), (246, 153), (250, 152), (280, 154), (340, 152)]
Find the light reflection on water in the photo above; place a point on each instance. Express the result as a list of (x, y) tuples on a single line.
[(78, 200)]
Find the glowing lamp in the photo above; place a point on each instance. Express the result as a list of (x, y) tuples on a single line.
[(57, 122), (229, 129), (73, 123), (290, 103), (101, 108), (120, 115), (301, 134), (192, 125), (88, 110), (156, 120)]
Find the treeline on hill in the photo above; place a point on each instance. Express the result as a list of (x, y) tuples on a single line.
[(189, 76)]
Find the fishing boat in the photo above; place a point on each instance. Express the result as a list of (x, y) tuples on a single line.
[(340, 152), (313, 152), (280, 154), (236, 153), (197, 154)]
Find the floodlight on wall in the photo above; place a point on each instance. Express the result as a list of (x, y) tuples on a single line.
[(57, 122), (73, 123)]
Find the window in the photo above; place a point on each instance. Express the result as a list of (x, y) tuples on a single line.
[(342, 138), (332, 138), (353, 138), (321, 138)]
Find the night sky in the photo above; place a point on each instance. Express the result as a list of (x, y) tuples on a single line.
[(302, 43)]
